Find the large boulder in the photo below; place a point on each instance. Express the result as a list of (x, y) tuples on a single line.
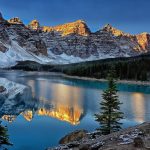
[(2, 89), (74, 136)]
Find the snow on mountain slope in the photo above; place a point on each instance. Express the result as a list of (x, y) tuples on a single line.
[(16, 53)]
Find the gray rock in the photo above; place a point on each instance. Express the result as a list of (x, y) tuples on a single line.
[(96, 146), (84, 147), (2, 89)]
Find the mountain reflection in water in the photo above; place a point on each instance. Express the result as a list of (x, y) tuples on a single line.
[(58, 105), (58, 101), (65, 103)]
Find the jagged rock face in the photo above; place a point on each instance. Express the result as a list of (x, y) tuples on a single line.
[(79, 27), (97, 45), (144, 41), (74, 136), (36, 45), (28, 39), (15, 20), (139, 42), (4, 39), (108, 42), (34, 24), (113, 30), (21, 35)]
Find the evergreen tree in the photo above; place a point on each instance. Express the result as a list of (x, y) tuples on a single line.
[(110, 109), (4, 139)]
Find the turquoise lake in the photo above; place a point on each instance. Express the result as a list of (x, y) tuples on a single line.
[(59, 105)]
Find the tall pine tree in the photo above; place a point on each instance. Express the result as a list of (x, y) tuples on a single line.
[(110, 109)]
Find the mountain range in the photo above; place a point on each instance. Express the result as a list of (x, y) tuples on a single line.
[(64, 44)]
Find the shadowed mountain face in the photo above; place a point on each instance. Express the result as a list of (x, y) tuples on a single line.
[(67, 43)]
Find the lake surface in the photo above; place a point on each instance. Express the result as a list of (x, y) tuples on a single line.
[(60, 105)]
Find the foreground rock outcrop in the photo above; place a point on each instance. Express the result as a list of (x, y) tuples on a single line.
[(74, 136), (133, 138), (2, 89), (67, 43)]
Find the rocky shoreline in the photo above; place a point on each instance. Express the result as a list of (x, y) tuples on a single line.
[(132, 138)]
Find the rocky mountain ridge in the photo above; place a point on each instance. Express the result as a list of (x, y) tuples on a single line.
[(78, 27), (141, 40), (67, 43)]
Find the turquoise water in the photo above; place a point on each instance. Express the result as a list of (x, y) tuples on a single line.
[(60, 105)]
